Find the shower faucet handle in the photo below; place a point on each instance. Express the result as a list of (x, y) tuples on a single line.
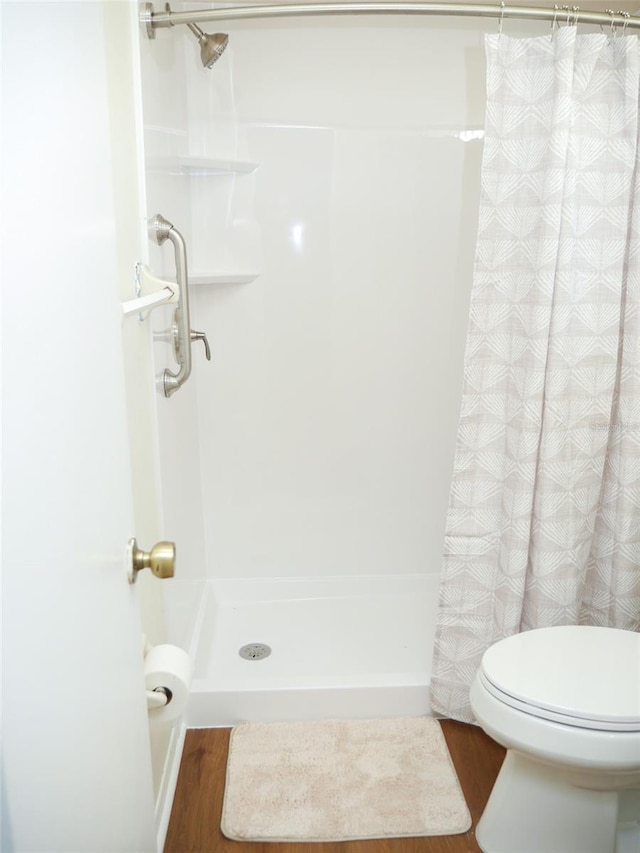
[(201, 336)]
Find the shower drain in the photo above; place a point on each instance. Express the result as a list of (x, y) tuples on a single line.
[(255, 651)]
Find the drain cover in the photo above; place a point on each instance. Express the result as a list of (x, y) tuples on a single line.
[(255, 651)]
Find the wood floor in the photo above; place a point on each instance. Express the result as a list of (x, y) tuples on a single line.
[(195, 819)]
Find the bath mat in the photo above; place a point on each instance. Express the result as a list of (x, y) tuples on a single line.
[(341, 780)]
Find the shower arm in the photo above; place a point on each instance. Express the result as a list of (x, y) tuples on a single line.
[(155, 20), (160, 229)]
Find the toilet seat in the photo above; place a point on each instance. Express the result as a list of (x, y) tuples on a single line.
[(582, 676)]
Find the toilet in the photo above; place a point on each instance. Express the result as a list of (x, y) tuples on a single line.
[(565, 702)]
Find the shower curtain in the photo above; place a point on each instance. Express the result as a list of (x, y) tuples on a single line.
[(543, 526)]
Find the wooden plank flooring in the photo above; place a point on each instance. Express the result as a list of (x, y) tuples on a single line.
[(195, 820)]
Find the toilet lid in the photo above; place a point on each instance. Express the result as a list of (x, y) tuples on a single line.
[(586, 676)]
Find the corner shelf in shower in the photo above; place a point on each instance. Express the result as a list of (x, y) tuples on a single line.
[(198, 167), (201, 278), (201, 166)]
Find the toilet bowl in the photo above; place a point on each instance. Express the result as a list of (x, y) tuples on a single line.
[(565, 702)]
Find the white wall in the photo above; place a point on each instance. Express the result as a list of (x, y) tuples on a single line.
[(120, 22)]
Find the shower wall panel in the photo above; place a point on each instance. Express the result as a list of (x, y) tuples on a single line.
[(328, 415)]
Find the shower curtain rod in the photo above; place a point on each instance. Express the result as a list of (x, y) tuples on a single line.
[(559, 14)]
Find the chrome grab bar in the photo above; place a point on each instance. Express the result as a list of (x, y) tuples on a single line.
[(160, 229)]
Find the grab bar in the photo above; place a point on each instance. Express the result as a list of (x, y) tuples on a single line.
[(160, 229)]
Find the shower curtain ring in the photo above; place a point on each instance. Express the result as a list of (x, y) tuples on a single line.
[(576, 12), (626, 16), (554, 22), (502, 5)]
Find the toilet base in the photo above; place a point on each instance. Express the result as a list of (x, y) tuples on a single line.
[(534, 808)]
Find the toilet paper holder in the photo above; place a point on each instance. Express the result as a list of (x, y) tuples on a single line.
[(158, 697), (168, 671)]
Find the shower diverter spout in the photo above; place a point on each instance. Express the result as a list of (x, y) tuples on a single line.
[(160, 229)]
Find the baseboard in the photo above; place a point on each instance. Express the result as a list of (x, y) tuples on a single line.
[(164, 801)]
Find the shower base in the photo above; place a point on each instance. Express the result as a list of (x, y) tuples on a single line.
[(339, 648)]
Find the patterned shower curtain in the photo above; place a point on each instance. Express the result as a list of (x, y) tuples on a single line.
[(543, 526)]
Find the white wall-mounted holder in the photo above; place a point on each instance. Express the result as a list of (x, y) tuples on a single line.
[(150, 293)]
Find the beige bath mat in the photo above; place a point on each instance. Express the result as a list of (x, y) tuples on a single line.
[(340, 780)]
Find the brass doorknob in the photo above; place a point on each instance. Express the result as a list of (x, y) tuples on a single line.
[(161, 559)]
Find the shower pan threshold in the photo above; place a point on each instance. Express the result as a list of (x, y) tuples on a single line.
[(341, 647)]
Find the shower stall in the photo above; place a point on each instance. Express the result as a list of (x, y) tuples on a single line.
[(325, 174)]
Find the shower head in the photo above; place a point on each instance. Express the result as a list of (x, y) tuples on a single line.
[(211, 47)]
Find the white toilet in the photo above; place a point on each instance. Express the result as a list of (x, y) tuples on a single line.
[(565, 702)]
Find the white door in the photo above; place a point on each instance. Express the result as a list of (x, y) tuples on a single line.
[(76, 763)]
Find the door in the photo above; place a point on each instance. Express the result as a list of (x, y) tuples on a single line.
[(76, 761)]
